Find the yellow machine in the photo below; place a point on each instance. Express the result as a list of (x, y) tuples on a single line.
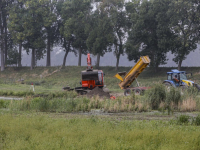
[(132, 75)]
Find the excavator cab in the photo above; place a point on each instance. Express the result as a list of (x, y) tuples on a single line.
[(92, 78)]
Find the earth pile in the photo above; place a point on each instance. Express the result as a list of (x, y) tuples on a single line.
[(98, 91)]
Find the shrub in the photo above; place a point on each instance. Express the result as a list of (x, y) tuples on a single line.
[(10, 93), (156, 95), (191, 91), (183, 119), (3, 93), (44, 105), (22, 105), (4, 104), (173, 96), (196, 121)]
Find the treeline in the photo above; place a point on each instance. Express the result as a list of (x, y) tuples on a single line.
[(137, 27)]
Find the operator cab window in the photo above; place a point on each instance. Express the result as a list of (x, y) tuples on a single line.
[(175, 75), (169, 77), (100, 77), (99, 81), (183, 76)]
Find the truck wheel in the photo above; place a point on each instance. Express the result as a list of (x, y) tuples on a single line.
[(168, 86), (127, 92), (139, 91)]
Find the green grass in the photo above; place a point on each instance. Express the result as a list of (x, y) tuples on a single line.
[(29, 123), (46, 81), (45, 131)]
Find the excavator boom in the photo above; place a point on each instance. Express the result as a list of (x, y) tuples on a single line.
[(135, 71)]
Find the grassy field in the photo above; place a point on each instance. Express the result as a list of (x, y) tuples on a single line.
[(159, 119), (49, 79), (68, 131)]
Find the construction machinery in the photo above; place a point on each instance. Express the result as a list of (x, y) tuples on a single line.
[(126, 79), (90, 78), (178, 78)]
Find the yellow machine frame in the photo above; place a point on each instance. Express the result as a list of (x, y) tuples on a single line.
[(133, 73)]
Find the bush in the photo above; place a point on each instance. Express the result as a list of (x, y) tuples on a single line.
[(44, 105), (156, 95), (192, 91), (183, 119), (25, 105), (4, 104), (174, 95), (196, 121)]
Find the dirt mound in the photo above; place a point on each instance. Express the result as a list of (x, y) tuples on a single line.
[(98, 91)]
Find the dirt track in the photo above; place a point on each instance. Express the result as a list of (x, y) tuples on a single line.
[(10, 98)]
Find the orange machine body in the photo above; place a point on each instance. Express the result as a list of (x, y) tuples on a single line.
[(92, 78)]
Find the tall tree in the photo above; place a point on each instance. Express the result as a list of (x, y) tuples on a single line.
[(64, 41), (2, 36), (77, 12), (15, 26), (149, 33), (33, 33), (184, 22), (50, 25), (117, 15), (3, 31), (100, 37)]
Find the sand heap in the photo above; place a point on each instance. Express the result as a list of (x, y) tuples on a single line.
[(98, 91)]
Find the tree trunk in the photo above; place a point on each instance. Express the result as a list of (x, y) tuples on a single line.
[(156, 67), (98, 60), (2, 57), (5, 39), (66, 53), (20, 55), (117, 63), (64, 59), (179, 65), (33, 59), (79, 57), (2, 45), (48, 52)]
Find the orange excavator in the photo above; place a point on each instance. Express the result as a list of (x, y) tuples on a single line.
[(90, 78)]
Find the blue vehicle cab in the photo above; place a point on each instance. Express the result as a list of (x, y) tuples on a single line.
[(177, 78)]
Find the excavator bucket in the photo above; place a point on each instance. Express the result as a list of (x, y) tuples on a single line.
[(89, 75)]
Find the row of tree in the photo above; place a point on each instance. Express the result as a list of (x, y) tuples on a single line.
[(138, 27)]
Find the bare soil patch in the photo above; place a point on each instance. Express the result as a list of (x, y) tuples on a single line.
[(98, 91)]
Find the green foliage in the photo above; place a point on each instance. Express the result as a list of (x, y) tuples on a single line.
[(156, 95), (4, 103), (191, 91), (19, 93), (196, 121), (174, 95), (47, 131), (74, 14), (13, 57), (186, 39), (150, 33), (183, 119), (100, 32)]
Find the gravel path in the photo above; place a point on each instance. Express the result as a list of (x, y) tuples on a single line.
[(11, 98)]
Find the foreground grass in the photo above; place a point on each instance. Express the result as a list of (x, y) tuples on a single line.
[(45, 131)]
